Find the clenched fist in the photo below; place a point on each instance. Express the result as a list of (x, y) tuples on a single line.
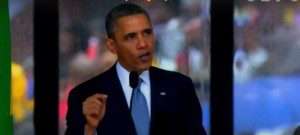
[(94, 110)]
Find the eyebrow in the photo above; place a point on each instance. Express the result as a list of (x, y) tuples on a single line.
[(134, 33)]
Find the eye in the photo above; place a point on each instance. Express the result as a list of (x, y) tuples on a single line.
[(130, 37), (148, 32)]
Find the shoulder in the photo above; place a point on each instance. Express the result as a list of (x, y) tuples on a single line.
[(87, 88)]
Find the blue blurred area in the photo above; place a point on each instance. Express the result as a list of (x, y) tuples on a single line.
[(266, 102), (266, 68), (206, 116)]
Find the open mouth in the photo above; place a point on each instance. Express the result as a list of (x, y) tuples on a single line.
[(145, 57)]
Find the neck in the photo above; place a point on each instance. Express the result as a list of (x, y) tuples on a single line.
[(130, 69)]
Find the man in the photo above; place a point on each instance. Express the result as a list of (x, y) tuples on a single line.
[(162, 103)]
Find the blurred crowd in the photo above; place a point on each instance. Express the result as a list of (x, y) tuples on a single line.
[(266, 39), (266, 67), (22, 82)]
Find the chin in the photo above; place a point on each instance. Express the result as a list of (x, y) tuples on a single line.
[(144, 67)]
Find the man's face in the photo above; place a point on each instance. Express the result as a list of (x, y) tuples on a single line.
[(133, 42)]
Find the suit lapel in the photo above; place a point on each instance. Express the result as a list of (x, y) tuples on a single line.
[(158, 122), (117, 103), (118, 93), (154, 81)]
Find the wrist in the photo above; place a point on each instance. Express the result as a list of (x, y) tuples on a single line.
[(89, 130)]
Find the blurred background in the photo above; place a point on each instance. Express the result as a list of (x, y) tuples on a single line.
[(266, 66), (22, 83)]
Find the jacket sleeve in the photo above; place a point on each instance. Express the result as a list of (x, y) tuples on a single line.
[(75, 118)]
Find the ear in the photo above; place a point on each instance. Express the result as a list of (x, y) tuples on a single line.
[(110, 45)]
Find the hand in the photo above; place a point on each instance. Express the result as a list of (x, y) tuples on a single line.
[(94, 110)]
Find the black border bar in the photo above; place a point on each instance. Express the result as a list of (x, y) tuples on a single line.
[(46, 67), (221, 67)]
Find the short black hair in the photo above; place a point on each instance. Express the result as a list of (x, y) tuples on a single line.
[(122, 10)]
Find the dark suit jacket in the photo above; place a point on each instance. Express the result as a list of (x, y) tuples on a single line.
[(178, 112)]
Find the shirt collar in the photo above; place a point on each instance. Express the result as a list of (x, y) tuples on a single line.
[(124, 75)]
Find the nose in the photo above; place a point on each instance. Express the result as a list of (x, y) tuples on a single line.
[(142, 42)]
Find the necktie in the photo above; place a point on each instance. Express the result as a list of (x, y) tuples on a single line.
[(139, 111)]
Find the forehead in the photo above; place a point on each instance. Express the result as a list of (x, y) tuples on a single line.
[(132, 23)]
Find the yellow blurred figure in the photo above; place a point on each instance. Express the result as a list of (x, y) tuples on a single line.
[(18, 92), (289, 16)]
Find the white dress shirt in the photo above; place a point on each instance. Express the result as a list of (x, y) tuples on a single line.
[(123, 76)]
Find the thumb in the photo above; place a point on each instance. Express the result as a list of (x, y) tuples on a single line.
[(104, 99)]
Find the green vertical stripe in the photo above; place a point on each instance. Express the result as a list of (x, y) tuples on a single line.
[(6, 121)]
